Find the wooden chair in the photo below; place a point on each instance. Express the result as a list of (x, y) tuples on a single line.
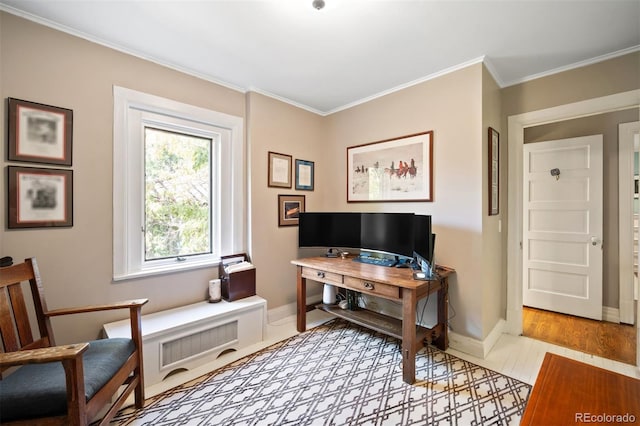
[(68, 384)]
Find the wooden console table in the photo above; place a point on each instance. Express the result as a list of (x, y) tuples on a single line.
[(395, 284)]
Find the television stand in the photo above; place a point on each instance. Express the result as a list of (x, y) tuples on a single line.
[(395, 284)]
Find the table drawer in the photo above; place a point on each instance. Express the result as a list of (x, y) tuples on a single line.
[(322, 276), (372, 287)]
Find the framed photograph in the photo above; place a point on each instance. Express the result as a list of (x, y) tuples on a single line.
[(39, 133), (289, 209), (398, 169), (279, 170), (39, 198), (494, 172), (304, 175)]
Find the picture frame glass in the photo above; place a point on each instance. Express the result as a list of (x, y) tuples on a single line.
[(399, 169), (279, 170), (289, 209), (40, 197), (305, 175), (494, 172), (39, 133)]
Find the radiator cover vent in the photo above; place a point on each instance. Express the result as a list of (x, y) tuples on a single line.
[(198, 343)]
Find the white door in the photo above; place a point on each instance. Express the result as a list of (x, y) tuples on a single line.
[(562, 226)]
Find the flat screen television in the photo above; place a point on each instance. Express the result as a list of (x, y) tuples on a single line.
[(392, 233), (333, 230)]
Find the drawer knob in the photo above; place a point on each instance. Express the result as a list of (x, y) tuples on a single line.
[(368, 286), (321, 274)]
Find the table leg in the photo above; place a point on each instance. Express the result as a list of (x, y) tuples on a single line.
[(442, 341), (409, 335), (302, 301)]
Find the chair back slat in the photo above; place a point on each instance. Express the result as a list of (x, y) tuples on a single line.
[(21, 315), (8, 331), (15, 326)]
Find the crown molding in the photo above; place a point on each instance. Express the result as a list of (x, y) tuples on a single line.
[(122, 49), (575, 65)]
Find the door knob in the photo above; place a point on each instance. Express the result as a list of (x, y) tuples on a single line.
[(594, 241)]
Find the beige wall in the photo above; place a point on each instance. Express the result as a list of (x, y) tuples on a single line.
[(450, 106), (43, 65), (279, 127), (616, 75), (494, 297)]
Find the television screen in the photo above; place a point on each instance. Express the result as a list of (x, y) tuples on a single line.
[(388, 232), (333, 230)]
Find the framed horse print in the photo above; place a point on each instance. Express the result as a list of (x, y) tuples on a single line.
[(398, 169)]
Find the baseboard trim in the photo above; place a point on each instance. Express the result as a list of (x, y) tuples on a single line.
[(475, 347), (611, 314), (284, 311)]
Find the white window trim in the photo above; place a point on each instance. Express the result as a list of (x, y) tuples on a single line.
[(127, 157)]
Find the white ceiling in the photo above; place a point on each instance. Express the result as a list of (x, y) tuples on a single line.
[(352, 50)]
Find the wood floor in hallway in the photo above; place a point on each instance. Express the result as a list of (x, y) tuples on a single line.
[(601, 338)]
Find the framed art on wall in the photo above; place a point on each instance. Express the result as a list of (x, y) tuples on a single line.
[(279, 170), (39, 198), (304, 175), (289, 209), (494, 172), (39, 133), (398, 169)]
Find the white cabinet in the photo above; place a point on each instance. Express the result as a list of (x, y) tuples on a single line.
[(189, 336)]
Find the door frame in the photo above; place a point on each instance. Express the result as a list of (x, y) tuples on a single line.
[(625, 196), (516, 125)]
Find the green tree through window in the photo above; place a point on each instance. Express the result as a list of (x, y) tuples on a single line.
[(177, 194)]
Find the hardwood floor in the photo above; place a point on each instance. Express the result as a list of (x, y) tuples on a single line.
[(600, 338)]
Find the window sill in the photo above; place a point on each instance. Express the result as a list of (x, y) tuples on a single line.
[(166, 269)]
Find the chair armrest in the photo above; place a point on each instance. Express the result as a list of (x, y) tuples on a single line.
[(38, 356), (95, 308)]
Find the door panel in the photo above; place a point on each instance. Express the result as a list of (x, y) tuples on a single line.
[(562, 246)]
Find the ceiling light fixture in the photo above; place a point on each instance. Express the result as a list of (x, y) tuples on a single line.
[(318, 4)]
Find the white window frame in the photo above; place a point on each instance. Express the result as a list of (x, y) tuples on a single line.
[(132, 110)]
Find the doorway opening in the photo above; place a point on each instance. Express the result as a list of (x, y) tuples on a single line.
[(516, 127)]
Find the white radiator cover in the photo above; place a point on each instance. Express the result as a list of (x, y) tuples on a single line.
[(189, 336)]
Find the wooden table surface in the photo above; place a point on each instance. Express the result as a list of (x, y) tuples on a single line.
[(569, 392)]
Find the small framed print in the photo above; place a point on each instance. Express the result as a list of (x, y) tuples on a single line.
[(289, 209), (39, 198), (279, 170), (494, 172), (39, 133), (304, 175)]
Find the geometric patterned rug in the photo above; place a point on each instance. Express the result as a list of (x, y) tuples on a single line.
[(338, 374)]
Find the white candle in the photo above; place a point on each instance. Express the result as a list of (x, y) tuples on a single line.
[(214, 291)]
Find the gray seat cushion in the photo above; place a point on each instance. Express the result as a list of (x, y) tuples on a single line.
[(39, 390)]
